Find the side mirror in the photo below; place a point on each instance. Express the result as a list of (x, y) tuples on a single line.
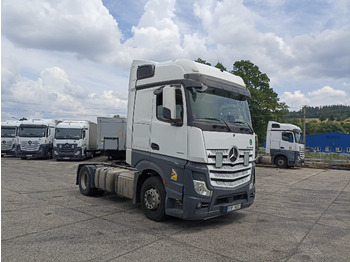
[(169, 102)]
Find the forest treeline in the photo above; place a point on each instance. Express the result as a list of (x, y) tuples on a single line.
[(335, 112)]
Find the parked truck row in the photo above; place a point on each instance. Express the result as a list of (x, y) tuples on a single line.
[(61, 140)]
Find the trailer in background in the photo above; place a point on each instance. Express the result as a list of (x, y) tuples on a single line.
[(111, 137)]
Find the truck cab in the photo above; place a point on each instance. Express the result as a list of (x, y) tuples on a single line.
[(8, 137), (75, 140), (35, 138), (284, 144), (189, 126)]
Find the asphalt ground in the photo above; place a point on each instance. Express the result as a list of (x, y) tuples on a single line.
[(299, 214)]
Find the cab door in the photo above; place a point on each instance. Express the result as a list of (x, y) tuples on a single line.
[(169, 128)]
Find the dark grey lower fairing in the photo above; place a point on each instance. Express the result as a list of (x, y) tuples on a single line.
[(181, 199), (40, 153), (73, 154), (293, 157)]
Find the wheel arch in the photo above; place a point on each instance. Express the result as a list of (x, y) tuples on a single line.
[(147, 169)]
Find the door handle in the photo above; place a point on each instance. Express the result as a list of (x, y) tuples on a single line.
[(154, 146)]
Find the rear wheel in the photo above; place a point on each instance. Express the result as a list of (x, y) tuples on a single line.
[(281, 162), (84, 181), (153, 199)]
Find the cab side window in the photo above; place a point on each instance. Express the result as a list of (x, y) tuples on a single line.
[(287, 136), (179, 107)]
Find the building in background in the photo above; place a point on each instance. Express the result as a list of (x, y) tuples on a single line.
[(329, 142)]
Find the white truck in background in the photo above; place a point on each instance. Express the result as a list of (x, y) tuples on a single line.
[(111, 136), (284, 144), (35, 138), (8, 137), (75, 140), (190, 148)]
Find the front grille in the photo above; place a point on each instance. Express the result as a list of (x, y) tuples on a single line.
[(230, 174), (67, 148), (6, 146), (30, 145)]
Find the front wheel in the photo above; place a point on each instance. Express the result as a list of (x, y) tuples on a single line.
[(49, 154), (153, 199), (281, 162)]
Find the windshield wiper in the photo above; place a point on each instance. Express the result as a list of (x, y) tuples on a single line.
[(244, 123), (220, 120)]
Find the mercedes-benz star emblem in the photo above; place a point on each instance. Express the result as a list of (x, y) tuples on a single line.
[(233, 154)]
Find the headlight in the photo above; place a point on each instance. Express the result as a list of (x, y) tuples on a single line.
[(201, 188), (77, 153)]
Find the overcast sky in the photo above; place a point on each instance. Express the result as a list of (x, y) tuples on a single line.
[(70, 59)]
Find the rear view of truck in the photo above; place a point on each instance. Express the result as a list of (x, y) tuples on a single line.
[(111, 137)]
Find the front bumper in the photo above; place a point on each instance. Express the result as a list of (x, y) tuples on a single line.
[(194, 206), (40, 153), (222, 202), (73, 154)]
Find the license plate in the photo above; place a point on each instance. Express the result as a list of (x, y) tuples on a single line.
[(233, 207)]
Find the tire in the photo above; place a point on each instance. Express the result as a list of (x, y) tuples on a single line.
[(49, 154), (84, 181), (153, 199), (281, 162)]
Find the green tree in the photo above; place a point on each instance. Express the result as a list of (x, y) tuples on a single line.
[(199, 60), (323, 117), (330, 126), (264, 102), (221, 66)]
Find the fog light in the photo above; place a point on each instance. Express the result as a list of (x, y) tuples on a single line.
[(199, 205)]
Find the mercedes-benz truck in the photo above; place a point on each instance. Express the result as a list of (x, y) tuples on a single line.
[(285, 144), (8, 137), (190, 147), (35, 138), (75, 140)]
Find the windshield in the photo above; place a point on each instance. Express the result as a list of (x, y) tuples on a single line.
[(32, 131), (68, 133), (298, 137), (8, 132), (219, 110)]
